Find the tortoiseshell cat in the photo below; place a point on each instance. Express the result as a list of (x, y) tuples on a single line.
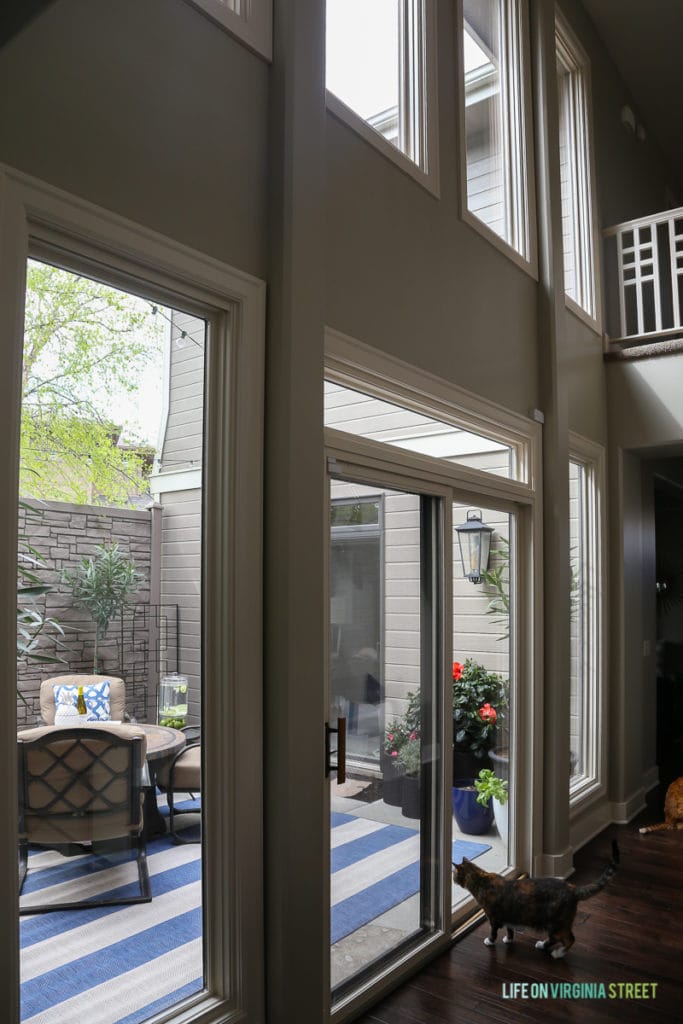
[(673, 809), (547, 904)]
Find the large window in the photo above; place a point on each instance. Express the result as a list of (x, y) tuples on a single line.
[(576, 172), (586, 640), (380, 76), (496, 151)]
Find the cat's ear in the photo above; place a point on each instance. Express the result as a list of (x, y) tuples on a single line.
[(464, 861)]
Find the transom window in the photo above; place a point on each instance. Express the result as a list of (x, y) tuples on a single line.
[(496, 151)]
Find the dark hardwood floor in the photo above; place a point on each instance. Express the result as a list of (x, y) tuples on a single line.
[(631, 932)]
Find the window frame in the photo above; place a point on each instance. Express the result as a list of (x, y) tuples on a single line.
[(250, 21), (519, 184), (38, 219), (591, 783), (418, 127), (573, 64)]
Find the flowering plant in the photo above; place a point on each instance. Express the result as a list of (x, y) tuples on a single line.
[(410, 754), (399, 732), (480, 700)]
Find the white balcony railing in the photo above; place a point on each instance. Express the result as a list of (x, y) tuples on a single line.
[(646, 258)]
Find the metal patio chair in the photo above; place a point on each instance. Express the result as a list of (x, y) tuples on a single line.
[(82, 788)]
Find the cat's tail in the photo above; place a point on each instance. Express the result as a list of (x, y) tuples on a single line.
[(661, 827), (584, 892)]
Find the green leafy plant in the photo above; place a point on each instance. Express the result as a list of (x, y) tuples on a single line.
[(104, 586), (480, 703), (399, 731), (489, 785), (32, 624)]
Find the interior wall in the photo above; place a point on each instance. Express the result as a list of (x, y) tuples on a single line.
[(131, 106), (406, 275)]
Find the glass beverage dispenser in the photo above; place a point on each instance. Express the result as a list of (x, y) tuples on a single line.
[(173, 701)]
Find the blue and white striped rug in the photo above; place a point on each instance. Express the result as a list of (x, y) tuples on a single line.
[(374, 868), (111, 965)]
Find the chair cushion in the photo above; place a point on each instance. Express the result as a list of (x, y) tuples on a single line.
[(117, 693), (186, 771), (96, 699)]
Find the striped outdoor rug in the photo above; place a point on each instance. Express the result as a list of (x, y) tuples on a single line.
[(374, 868), (111, 965)]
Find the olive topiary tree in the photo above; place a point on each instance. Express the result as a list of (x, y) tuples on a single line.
[(104, 585)]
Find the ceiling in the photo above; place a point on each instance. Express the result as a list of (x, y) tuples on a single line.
[(644, 39)]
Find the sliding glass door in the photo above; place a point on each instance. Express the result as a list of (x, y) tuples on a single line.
[(385, 698)]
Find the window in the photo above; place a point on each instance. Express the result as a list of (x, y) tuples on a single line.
[(496, 148), (380, 77), (249, 20), (586, 643), (175, 286), (399, 426), (576, 172)]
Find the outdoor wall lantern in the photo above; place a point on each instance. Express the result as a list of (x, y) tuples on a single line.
[(475, 545)]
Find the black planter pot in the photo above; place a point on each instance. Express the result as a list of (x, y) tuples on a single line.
[(472, 818), (410, 804), (392, 784), (466, 765)]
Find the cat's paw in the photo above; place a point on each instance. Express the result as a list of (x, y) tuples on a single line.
[(542, 944), (507, 939), (558, 952), (488, 941)]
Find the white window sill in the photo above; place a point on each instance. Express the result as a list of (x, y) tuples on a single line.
[(429, 179), (529, 267), (254, 28)]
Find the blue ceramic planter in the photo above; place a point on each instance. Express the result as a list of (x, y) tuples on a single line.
[(472, 818)]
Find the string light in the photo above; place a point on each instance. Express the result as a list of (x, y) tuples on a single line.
[(183, 337)]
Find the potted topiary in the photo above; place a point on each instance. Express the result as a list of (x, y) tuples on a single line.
[(104, 586)]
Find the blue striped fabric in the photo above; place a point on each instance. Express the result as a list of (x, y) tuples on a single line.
[(112, 965), (390, 879)]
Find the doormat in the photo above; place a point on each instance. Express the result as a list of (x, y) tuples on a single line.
[(374, 868)]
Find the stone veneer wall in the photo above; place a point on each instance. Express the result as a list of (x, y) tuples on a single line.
[(62, 535)]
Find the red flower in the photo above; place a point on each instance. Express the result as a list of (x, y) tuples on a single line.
[(394, 753), (457, 670), (413, 736), (488, 714)]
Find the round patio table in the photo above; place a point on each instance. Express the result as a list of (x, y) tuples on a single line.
[(163, 743)]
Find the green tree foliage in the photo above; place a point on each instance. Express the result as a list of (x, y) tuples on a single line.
[(85, 347), (104, 586)]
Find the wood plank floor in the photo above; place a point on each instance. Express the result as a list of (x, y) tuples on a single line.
[(631, 932)]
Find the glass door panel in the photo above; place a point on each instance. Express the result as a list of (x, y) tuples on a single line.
[(383, 658), (483, 696)]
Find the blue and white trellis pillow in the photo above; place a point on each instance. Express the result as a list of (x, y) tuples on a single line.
[(96, 699)]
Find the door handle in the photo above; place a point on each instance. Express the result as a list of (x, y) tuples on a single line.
[(340, 766)]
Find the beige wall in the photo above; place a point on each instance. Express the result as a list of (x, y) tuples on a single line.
[(132, 106)]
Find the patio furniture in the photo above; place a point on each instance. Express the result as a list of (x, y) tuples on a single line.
[(117, 694), (183, 774), (163, 743), (82, 788)]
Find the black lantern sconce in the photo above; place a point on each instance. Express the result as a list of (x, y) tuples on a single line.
[(475, 545)]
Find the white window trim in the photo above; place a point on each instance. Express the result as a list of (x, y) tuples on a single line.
[(39, 219), (350, 362), (591, 784), (356, 365), (521, 198), (251, 22), (420, 126), (574, 60)]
